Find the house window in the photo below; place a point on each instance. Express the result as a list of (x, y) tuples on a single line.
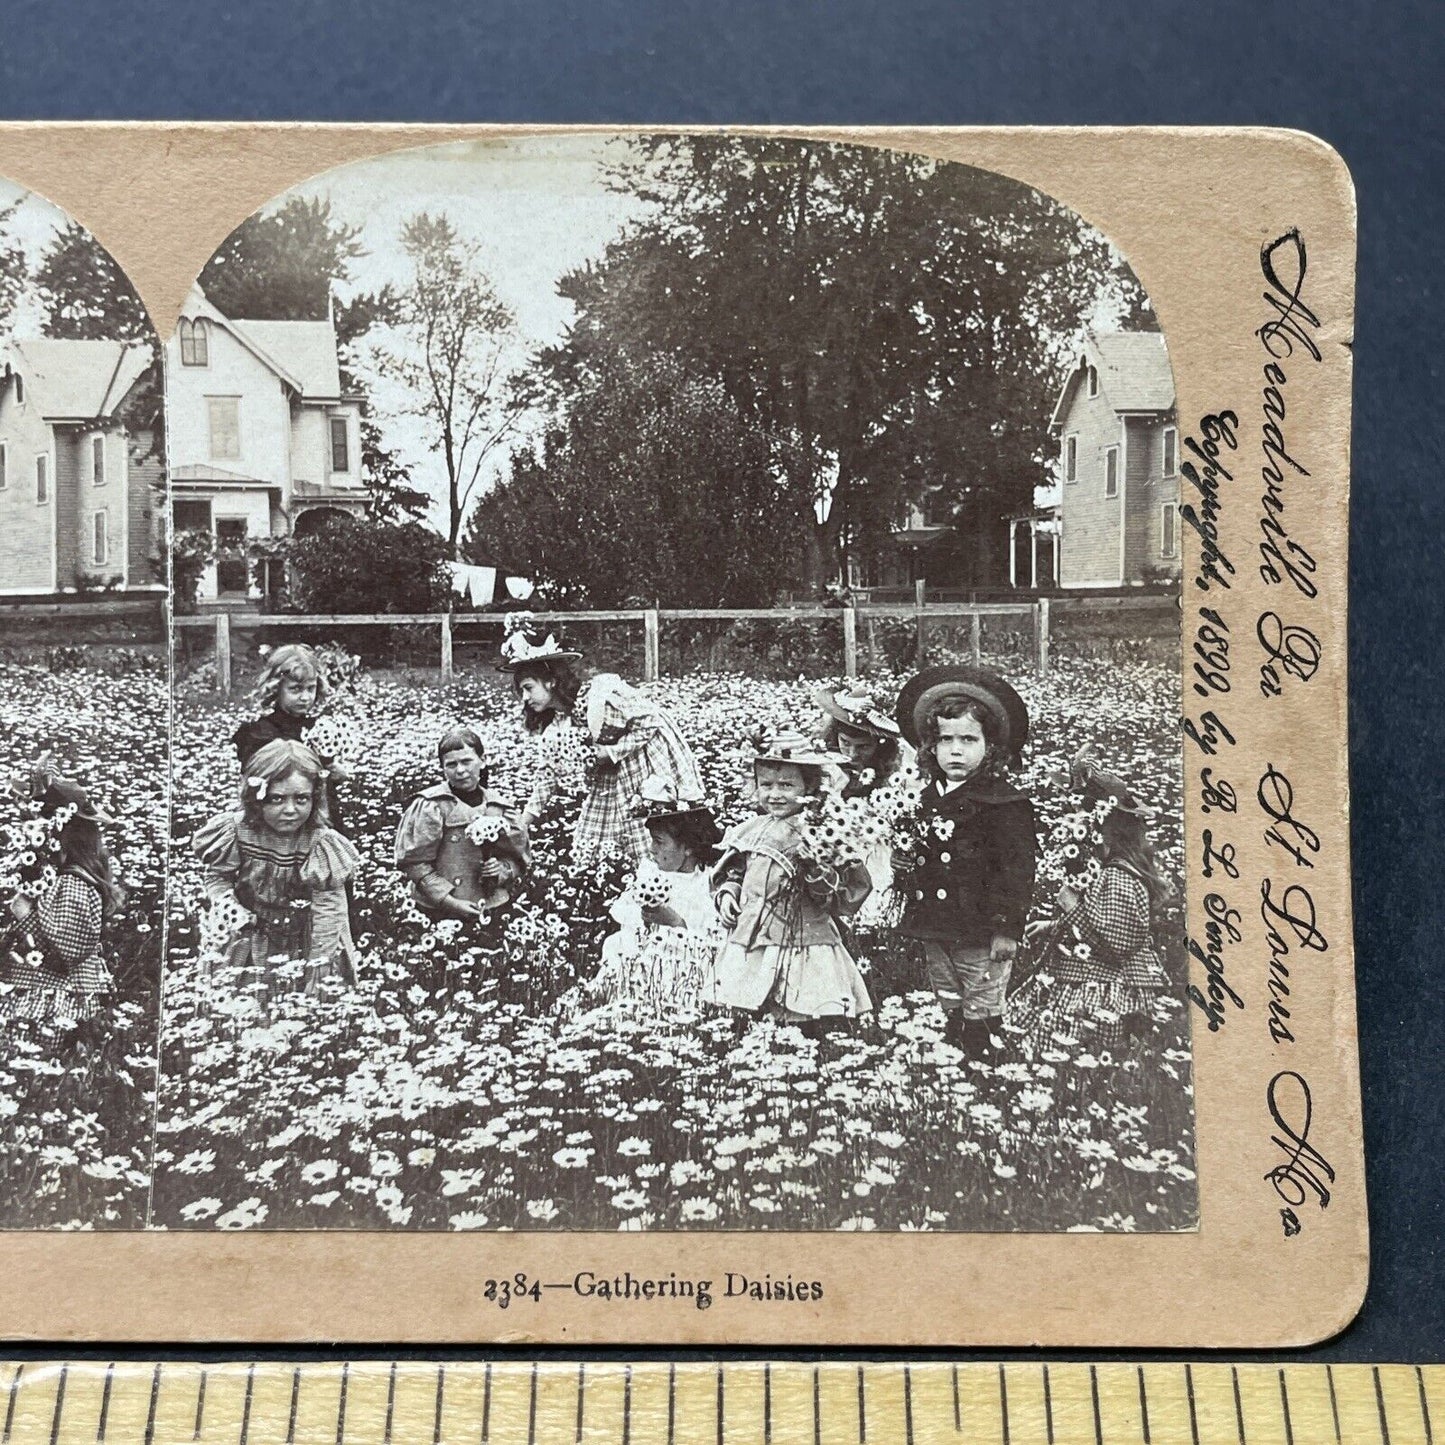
[(1093, 379), (1169, 529), (1171, 451), (42, 480), (225, 419), (195, 344), (100, 539), (1071, 459), (4, 467), (97, 460), (340, 445), (1111, 472)]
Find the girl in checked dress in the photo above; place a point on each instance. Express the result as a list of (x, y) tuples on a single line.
[(1100, 979), (53, 970), (276, 875), (603, 734)]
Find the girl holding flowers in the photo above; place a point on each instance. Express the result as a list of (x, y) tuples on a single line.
[(1099, 979), (603, 737), (463, 848), (781, 902), (52, 968), (876, 760), (669, 932), (276, 874)]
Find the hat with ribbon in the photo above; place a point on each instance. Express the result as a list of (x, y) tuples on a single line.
[(657, 802), (935, 686), (527, 643), (793, 747), (855, 709), (1099, 786)]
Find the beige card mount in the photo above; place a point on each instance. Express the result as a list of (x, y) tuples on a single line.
[(552, 521)]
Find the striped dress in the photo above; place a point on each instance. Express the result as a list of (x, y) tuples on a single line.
[(287, 895)]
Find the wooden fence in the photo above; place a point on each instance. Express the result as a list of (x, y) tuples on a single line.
[(1038, 613)]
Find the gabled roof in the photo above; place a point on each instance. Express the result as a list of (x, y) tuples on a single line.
[(307, 349), (1134, 372), (301, 353), (78, 380)]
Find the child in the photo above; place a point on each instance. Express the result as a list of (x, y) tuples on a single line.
[(620, 738), (971, 879), (1100, 979), (286, 869), (292, 689), (63, 978), (784, 952), (874, 753), (869, 741), (669, 936), (452, 873)]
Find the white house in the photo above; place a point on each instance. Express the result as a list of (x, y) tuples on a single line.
[(262, 441), (80, 475), (1118, 463)]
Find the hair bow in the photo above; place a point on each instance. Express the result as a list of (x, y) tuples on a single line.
[(257, 786)]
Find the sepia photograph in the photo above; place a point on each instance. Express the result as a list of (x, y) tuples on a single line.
[(676, 676), (84, 725)]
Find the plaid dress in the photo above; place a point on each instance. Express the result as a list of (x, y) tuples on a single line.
[(1100, 967), (51, 967), (635, 741)]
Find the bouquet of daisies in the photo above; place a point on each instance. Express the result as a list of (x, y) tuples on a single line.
[(336, 738), (840, 831), (650, 886), (484, 830), (566, 754), (29, 865), (897, 804)]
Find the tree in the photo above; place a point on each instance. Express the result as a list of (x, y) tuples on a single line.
[(891, 323), (87, 296), (360, 565), (281, 265), (13, 271), (449, 349), (391, 497), (659, 489)]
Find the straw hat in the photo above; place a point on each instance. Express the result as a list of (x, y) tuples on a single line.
[(855, 709), (62, 793), (526, 645), (937, 685), (657, 802), (794, 747)]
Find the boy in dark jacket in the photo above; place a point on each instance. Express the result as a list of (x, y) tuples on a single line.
[(968, 892)]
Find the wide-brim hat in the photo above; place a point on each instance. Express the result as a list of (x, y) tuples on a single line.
[(936, 685), (519, 650), (657, 802), (856, 710), (793, 747), (1102, 786), (62, 793)]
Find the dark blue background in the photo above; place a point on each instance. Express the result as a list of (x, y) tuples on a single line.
[(1365, 78)]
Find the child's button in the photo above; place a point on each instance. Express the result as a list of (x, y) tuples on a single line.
[(945, 857), (942, 893), (919, 894)]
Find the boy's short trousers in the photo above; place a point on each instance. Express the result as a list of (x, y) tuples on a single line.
[(968, 978)]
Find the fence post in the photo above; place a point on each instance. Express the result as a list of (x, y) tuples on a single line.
[(650, 667), (223, 652), (850, 642), (920, 597), (975, 638), (1041, 632), (446, 647)]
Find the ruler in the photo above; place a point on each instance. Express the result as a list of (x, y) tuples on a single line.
[(555, 1403)]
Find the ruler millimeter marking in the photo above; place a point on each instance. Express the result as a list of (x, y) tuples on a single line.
[(641, 1403)]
